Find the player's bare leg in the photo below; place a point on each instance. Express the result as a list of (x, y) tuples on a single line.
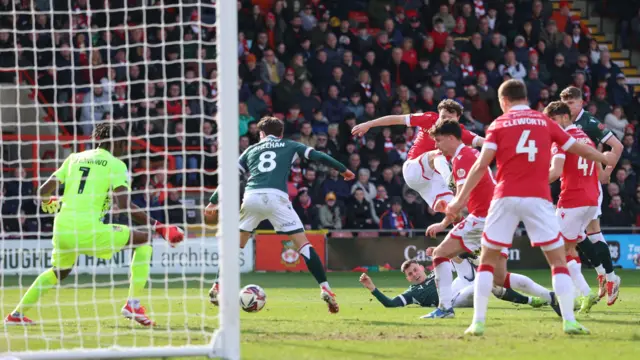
[(563, 287), (608, 281), (489, 262), (215, 288), (140, 268), (587, 298), (314, 264), (442, 255)]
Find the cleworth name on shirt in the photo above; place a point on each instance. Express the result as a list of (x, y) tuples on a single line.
[(524, 121)]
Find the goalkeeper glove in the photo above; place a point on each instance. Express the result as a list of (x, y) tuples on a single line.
[(173, 234), (51, 206)]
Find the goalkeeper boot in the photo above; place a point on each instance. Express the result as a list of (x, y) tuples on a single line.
[(602, 286), (440, 313), (330, 298), (475, 329), (613, 287), (16, 318), (587, 302), (213, 293), (537, 302), (138, 314), (574, 328)]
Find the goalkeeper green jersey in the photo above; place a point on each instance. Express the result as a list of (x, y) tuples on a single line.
[(88, 179), (596, 130)]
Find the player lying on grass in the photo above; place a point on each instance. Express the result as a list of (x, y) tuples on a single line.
[(465, 237), (426, 175), (578, 202), (423, 292), (90, 178), (596, 249), (268, 164)]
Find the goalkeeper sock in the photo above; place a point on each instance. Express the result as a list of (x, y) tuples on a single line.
[(509, 295), (444, 278), (314, 264), (526, 285), (483, 286), (563, 287), (40, 286), (575, 271), (140, 267)]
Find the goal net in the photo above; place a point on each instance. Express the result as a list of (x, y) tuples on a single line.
[(164, 72)]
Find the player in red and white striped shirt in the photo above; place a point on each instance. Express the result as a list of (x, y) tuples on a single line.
[(520, 141), (578, 203)]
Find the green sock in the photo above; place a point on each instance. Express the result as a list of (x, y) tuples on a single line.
[(40, 286), (140, 267)]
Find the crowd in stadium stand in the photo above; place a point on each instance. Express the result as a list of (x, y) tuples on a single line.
[(322, 66)]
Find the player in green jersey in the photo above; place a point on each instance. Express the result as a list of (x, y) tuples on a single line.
[(90, 178), (268, 164), (423, 290), (596, 249)]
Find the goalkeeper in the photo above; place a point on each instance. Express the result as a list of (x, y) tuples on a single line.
[(90, 178)]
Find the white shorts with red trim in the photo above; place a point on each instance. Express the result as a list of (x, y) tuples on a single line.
[(537, 215), (599, 209), (426, 181), (574, 221), (469, 233)]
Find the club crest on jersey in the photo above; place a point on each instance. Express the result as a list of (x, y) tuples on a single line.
[(562, 215), (461, 173), (290, 256)]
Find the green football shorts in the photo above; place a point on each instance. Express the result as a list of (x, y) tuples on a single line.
[(97, 239)]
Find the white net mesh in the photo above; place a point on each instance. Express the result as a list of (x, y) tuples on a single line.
[(148, 67)]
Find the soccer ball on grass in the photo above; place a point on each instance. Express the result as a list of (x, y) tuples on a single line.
[(252, 298)]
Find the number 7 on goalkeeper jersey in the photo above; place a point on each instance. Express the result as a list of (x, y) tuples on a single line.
[(88, 178)]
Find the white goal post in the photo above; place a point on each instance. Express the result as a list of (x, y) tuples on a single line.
[(31, 120)]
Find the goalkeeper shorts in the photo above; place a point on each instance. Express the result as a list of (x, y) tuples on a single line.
[(98, 239)]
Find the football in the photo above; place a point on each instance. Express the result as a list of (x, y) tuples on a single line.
[(252, 298)]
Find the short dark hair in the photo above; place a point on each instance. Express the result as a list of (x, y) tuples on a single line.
[(446, 127), (408, 263), (513, 90), (271, 126), (571, 93), (450, 106), (556, 108)]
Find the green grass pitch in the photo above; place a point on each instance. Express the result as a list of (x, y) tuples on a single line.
[(295, 324)]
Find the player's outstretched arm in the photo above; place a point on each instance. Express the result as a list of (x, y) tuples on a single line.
[(476, 173), (608, 158), (172, 234), (388, 120), (211, 211), (398, 301), (557, 163), (329, 161)]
